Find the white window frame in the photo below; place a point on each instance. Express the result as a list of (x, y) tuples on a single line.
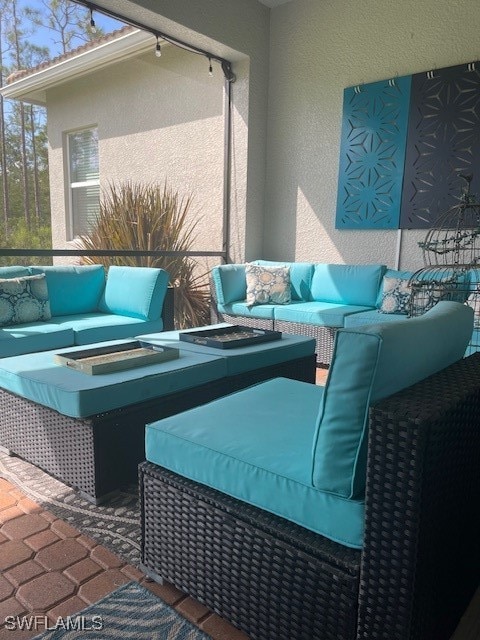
[(70, 185)]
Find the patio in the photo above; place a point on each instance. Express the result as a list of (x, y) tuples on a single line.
[(50, 568)]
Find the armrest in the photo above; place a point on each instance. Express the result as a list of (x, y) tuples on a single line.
[(421, 557)]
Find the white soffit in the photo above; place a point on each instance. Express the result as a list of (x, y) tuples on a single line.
[(32, 87)]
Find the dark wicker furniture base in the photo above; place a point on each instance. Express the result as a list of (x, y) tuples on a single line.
[(99, 454), (420, 564)]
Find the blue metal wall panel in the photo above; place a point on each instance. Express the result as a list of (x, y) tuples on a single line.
[(372, 154)]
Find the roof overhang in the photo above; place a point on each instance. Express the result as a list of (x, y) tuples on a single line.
[(33, 87)]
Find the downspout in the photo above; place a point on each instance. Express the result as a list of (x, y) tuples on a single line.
[(227, 168)]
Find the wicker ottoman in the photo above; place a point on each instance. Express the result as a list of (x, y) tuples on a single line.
[(98, 451)]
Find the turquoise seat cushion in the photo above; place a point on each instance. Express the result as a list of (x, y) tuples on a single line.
[(256, 445), (264, 311), (242, 359), (37, 336), (372, 317), (137, 292), (355, 284), (37, 377), (73, 289), (230, 283), (327, 314), (98, 327), (301, 274), (369, 364)]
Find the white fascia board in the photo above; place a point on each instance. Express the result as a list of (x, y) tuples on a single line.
[(33, 87)]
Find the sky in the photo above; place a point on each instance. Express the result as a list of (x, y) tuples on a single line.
[(44, 37)]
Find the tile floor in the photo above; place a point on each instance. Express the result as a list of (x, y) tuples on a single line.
[(48, 568)]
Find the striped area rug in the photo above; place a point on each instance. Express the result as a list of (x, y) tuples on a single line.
[(129, 612)]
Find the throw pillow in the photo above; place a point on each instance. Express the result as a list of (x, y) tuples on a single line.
[(473, 301), (267, 285), (24, 300), (430, 293), (396, 296)]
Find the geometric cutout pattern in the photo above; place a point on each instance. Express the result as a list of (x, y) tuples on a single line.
[(443, 141), (372, 154)]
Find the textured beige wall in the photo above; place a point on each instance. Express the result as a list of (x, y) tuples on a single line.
[(318, 49), (159, 119), (237, 30)]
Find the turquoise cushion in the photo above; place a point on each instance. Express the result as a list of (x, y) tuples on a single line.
[(73, 289), (138, 292), (301, 274), (37, 377), (372, 317), (256, 445), (327, 314), (36, 336), (264, 311), (241, 359), (355, 284), (230, 283), (14, 272), (368, 365), (98, 327)]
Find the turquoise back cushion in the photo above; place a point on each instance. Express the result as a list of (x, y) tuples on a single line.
[(230, 283), (137, 292), (14, 272), (356, 284), (301, 274), (371, 363), (73, 289)]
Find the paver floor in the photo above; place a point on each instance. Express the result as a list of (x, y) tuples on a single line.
[(49, 570)]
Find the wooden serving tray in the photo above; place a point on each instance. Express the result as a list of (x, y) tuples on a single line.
[(118, 357), (230, 337)]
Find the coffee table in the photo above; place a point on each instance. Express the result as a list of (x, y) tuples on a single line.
[(88, 431)]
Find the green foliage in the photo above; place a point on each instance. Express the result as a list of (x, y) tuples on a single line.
[(20, 237), (149, 217)]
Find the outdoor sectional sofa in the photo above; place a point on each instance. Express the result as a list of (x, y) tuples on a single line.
[(326, 297), (344, 512), (78, 305)]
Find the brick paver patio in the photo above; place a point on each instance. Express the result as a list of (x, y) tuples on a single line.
[(50, 569)]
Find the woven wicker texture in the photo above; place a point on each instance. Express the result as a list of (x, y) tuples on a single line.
[(421, 561), (265, 575)]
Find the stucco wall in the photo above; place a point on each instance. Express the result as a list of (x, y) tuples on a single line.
[(318, 49), (239, 31), (158, 119)]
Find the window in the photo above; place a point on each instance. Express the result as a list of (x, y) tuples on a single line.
[(83, 179)]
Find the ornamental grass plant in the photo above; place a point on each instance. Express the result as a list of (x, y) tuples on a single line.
[(150, 217)]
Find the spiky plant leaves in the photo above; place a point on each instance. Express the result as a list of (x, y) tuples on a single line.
[(150, 217)]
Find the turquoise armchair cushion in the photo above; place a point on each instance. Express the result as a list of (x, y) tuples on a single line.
[(256, 445), (370, 363), (73, 289), (137, 292), (230, 283), (348, 284)]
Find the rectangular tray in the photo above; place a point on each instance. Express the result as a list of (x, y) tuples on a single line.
[(230, 337), (117, 357)]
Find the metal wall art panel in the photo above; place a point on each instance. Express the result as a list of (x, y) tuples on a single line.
[(372, 154), (443, 141)]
